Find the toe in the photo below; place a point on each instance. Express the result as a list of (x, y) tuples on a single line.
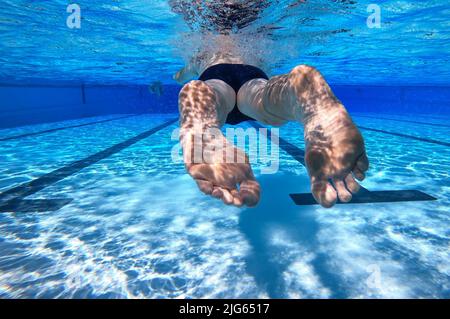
[(363, 163), (249, 192), (237, 200), (343, 194), (359, 175), (324, 193), (227, 197), (223, 194), (351, 184), (217, 193)]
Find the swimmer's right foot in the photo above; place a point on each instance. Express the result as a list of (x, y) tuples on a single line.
[(335, 154)]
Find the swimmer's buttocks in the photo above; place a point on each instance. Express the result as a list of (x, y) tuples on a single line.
[(235, 75)]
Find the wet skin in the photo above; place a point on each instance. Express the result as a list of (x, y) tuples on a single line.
[(335, 151)]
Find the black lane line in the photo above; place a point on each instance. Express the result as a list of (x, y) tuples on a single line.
[(15, 197), (371, 197), (63, 128), (34, 205), (363, 196), (427, 140), (398, 120)]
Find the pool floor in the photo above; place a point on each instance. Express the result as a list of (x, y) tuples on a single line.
[(96, 208)]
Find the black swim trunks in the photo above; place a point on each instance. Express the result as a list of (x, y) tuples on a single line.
[(235, 75)]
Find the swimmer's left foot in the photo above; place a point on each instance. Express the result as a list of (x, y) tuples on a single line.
[(229, 179), (335, 155)]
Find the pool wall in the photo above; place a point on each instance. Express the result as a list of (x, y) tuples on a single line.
[(395, 99), (22, 105)]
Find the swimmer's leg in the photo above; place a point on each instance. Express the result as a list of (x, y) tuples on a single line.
[(334, 146), (204, 107)]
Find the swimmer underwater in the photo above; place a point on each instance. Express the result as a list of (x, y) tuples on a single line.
[(229, 89)]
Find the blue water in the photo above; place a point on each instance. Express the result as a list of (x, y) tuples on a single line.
[(132, 41), (107, 213)]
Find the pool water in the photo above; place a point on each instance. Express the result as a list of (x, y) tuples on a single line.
[(140, 41), (136, 226)]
